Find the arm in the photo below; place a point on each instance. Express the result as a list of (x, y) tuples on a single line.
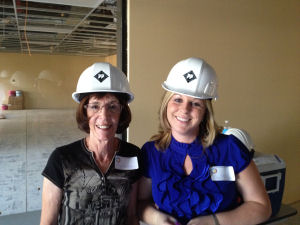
[(256, 207), (147, 210), (132, 218), (51, 200)]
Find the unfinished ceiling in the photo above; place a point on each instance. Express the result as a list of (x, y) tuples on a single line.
[(68, 27)]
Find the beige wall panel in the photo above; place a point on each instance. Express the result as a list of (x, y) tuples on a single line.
[(111, 59), (47, 81), (254, 47)]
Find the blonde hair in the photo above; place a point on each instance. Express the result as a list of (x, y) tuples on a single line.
[(208, 128)]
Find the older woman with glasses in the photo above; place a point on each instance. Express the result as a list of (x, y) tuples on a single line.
[(93, 181)]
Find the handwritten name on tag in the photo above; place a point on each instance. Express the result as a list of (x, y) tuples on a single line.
[(126, 163), (222, 173)]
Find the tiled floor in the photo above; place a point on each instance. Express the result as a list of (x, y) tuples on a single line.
[(30, 218)]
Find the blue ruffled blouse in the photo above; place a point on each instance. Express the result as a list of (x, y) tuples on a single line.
[(188, 196)]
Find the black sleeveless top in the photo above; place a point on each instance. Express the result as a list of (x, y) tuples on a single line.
[(89, 196)]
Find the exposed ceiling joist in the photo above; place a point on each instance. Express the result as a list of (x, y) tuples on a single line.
[(79, 3), (59, 26)]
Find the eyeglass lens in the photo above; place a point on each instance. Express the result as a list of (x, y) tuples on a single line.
[(111, 107)]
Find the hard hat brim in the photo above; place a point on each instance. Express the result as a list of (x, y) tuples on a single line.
[(203, 96), (77, 95)]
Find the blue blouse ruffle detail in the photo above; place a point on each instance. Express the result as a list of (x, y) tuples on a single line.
[(197, 194), (188, 196)]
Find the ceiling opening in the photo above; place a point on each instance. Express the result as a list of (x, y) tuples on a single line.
[(67, 27)]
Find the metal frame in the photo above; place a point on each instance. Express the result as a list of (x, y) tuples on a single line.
[(51, 27)]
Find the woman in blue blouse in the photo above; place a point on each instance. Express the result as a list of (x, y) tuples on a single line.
[(195, 174)]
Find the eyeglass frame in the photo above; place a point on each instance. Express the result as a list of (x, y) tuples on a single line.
[(111, 111)]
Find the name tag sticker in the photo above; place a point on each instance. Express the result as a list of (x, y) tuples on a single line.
[(126, 163), (222, 173)]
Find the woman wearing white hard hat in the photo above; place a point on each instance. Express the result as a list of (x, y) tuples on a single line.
[(93, 181), (194, 173)]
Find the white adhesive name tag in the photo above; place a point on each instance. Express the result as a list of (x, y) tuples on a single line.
[(126, 163), (222, 173)]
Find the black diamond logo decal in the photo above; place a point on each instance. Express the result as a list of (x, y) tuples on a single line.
[(189, 76), (101, 76)]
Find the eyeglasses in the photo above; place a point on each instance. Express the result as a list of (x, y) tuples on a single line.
[(112, 108)]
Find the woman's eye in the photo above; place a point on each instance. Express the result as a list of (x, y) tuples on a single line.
[(178, 100), (197, 104), (112, 107), (95, 107)]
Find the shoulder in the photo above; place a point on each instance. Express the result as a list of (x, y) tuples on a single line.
[(229, 150), (67, 149), (148, 145), (129, 149), (223, 139), (150, 152), (228, 142), (72, 145), (149, 148)]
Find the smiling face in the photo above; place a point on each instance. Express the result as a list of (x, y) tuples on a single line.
[(185, 114), (103, 116)]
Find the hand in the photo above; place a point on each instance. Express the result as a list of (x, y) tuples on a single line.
[(165, 219), (201, 220)]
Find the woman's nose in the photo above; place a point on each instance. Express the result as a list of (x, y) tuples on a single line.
[(103, 111), (185, 107)]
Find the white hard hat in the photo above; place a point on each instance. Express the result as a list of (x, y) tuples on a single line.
[(102, 77), (242, 135), (192, 77)]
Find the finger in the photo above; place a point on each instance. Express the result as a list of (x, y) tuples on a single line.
[(174, 221)]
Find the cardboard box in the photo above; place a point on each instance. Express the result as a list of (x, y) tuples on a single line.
[(15, 107), (272, 171), (15, 102)]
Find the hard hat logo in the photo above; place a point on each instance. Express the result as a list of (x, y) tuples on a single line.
[(101, 76), (190, 76)]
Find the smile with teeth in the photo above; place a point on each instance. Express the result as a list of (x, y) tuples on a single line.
[(103, 126), (182, 119)]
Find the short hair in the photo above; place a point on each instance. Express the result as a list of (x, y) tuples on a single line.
[(83, 120), (208, 128)]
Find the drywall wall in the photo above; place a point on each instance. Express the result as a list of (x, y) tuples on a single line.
[(47, 81), (26, 141), (254, 48)]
